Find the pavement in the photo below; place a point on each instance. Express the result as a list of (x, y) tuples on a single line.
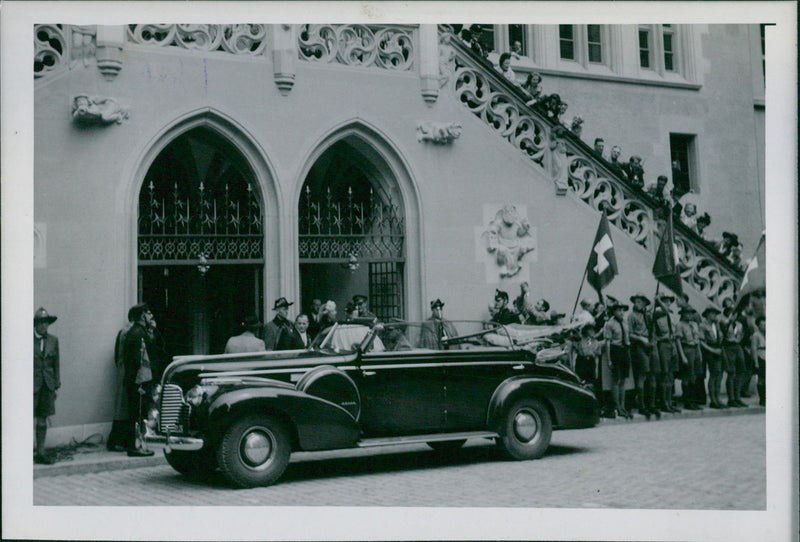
[(94, 457)]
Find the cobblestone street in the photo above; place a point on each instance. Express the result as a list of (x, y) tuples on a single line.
[(671, 464)]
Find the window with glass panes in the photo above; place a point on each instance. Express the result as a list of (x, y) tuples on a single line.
[(566, 41), (516, 32), (669, 47), (594, 42), (644, 47)]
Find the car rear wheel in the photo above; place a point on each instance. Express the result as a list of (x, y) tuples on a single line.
[(254, 451), (527, 429), (447, 445), (192, 464)]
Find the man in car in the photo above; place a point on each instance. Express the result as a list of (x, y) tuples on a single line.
[(500, 312), (360, 303), (279, 324), (436, 328), (247, 341)]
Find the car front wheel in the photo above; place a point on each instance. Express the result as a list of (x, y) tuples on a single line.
[(254, 451), (527, 429)]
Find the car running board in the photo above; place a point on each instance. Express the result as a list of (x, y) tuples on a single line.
[(416, 439)]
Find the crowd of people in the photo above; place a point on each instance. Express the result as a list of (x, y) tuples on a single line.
[(658, 342), (681, 201)]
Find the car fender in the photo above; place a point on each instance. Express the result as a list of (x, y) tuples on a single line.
[(571, 405), (315, 423)]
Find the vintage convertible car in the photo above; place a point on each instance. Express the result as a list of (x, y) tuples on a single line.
[(362, 386)]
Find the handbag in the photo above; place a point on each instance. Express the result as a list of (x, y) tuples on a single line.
[(144, 373)]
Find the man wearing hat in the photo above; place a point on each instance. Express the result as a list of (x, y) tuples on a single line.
[(616, 355), (688, 343), (46, 380), (279, 324), (500, 312), (247, 341), (711, 345), (663, 361), (138, 374), (639, 330), (360, 303), (436, 328)]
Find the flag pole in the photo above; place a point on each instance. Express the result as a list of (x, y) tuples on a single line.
[(580, 288)]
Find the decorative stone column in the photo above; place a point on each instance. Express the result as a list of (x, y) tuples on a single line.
[(110, 41), (284, 55), (429, 62)]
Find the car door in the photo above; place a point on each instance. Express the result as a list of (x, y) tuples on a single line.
[(401, 394)]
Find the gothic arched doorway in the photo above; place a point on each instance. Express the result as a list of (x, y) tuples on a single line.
[(200, 242), (352, 230)]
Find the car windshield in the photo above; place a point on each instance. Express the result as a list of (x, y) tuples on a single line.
[(344, 338)]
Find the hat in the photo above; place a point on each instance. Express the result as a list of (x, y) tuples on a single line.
[(251, 322), (710, 309), (41, 315), (281, 302), (137, 311), (617, 305), (640, 295), (437, 303), (666, 297), (358, 298), (686, 309), (500, 294), (732, 236)]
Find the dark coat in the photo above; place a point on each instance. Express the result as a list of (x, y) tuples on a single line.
[(289, 339), (46, 369), (273, 331), (132, 352)]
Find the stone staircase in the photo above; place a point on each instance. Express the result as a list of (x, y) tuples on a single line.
[(562, 156)]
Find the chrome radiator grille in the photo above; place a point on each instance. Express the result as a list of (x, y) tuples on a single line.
[(174, 412)]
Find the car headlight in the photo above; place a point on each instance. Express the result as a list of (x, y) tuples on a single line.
[(195, 396)]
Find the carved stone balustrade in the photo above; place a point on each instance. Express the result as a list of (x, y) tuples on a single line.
[(389, 47), (571, 165), (237, 39), (59, 47)]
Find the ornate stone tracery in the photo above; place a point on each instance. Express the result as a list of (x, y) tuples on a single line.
[(388, 47), (60, 47), (238, 39)]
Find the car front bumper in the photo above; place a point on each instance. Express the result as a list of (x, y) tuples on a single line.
[(173, 442)]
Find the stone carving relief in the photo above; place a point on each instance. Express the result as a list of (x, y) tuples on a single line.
[(447, 59), (97, 110), (382, 46), (508, 238), (440, 133), (238, 39)]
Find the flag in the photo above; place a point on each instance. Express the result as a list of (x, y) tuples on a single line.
[(665, 268), (755, 277), (602, 266)]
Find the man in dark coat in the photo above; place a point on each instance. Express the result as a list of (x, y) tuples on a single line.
[(46, 380), (360, 303), (138, 375), (500, 311), (436, 329), (278, 325), (118, 438)]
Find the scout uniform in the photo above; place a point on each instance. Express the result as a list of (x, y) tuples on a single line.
[(734, 360), (711, 344), (640, 355), (663, 361), (688, 340), (618, 357)]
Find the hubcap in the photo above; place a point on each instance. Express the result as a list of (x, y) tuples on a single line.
[(256, 447), (526, 425)]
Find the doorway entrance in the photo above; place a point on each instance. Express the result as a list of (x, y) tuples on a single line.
[(200, 242), (352, 231)]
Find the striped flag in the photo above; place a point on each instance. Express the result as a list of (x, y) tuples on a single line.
[(602, 266), (665, 268)]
